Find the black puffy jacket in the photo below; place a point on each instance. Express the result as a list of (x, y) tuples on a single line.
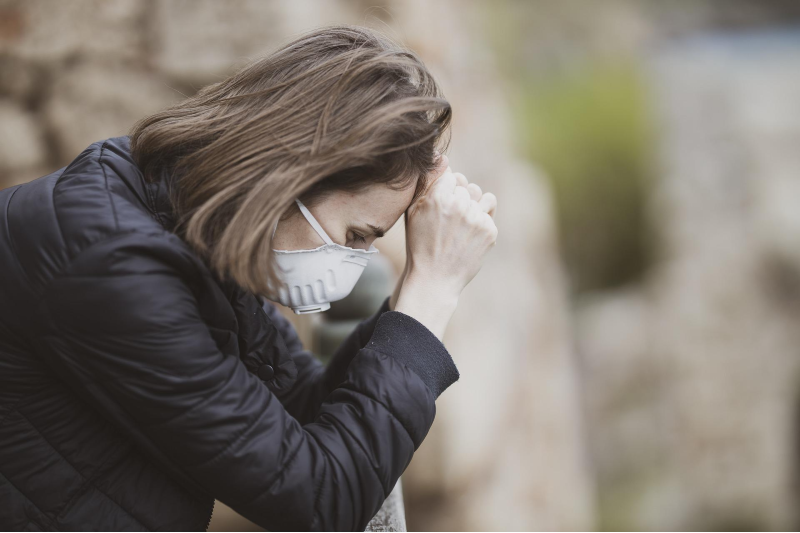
[(136, 387)]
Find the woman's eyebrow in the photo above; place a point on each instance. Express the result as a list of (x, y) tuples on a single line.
[(376, 230)]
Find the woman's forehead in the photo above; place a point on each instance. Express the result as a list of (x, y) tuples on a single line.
[(378, 204), (397, 202)]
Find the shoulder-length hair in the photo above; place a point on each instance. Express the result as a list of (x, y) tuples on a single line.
[(339, 108)]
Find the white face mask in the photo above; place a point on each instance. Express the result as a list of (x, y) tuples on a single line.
[(314, 278)]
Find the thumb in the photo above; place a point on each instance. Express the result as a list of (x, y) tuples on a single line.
[(442, 168)]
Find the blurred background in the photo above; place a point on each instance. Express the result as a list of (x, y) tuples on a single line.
[(630, 352)]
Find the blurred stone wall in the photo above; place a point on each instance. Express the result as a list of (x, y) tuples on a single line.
[(692, 378), (506, 450), (72, 73)]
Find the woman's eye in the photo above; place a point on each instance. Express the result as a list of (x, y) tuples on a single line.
[(356, 238)]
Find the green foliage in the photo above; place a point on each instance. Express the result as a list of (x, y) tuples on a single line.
[(619, 500), (590, 130)]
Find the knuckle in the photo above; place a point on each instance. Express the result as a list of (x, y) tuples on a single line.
[(462, 198), (489, 226)]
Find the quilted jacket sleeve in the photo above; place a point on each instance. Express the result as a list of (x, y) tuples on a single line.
[(125, 326), (314, 380)]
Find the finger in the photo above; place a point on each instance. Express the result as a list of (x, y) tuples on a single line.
[(461, 179), (461, 194), (446, 182), (488, 203), (436, 173), (475, 191)]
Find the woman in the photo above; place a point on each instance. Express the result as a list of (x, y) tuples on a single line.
[(141, 373)]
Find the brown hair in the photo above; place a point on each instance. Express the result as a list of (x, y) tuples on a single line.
[(339, 108)]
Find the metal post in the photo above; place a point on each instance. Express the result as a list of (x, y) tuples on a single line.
[(392, 515)]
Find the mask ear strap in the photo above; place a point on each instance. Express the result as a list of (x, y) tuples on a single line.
[(313, 222)]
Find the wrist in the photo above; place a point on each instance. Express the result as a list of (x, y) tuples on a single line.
[(396, 293), (430, 303), (398, 287), (441, 291)]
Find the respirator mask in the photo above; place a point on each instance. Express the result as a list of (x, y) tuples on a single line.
[(311, 279)]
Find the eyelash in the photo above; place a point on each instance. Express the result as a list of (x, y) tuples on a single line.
[(359, 238)]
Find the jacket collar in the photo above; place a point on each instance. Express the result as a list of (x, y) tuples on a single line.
[(258, 337), (160, 204), (154, 195)]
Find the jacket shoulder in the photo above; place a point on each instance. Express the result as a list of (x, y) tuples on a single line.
[(101, 193), (51, 220)]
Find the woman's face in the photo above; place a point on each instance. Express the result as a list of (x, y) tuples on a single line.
[(349, 219)]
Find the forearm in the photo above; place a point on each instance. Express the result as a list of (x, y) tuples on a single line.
[(429, 302), (314, 380), (337, 366), (396, 294)]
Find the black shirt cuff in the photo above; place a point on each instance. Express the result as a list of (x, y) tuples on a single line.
[(409, 341)]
